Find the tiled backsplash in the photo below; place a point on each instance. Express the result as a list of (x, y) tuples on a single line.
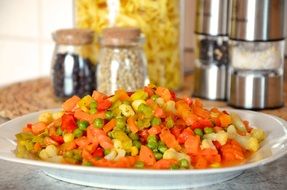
[(25, 36)]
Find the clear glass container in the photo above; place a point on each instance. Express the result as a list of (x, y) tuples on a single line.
[(72, 72), (211, 49), (257, 56), (122, 63), (158, 20)]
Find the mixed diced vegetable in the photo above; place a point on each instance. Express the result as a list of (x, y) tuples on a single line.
[(149, 128)]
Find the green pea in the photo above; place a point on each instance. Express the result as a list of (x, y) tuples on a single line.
[(184, 163), (158, 156), (87, 163), (169, 122), (78, 132), (208, 130), (134, 136), (155, 121), (93, 111), (198, 132), (59, 131), (139, 164), (137, 144), (93, 105), (151, 138), (109, 115), (174, 167), (68, 154), (82, 124), (107, 151), (154, 97), (162, 148), (120, 124), (126, 102), (152, 145), (98, 123), (146, 110)]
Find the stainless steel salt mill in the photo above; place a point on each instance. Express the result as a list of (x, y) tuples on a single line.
[(211, 49), (256, 53)]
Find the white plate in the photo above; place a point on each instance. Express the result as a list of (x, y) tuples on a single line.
[(274, 147)]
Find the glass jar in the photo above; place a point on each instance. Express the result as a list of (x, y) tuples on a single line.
[(257, 56), (211, 49), (72, 72), (158, 20), (122, 62)]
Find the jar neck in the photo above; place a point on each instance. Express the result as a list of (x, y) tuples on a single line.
[(121, 43), (63, 48)]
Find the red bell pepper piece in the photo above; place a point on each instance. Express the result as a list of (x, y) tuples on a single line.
[(58, 139), (68, 123), (99, 153)]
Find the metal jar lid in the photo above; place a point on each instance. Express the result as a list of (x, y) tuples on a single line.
[(257, 20), (211, 17)]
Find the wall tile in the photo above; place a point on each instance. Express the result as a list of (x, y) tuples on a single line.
[(18, 61), (55, 14), (19, 18), (47, 50)]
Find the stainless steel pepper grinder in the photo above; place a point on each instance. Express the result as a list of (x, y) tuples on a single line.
[(211, 49), (256, 50)]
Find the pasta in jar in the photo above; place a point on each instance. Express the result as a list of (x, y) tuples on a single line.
[(158, 20)]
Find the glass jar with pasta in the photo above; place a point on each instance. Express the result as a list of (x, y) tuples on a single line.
[(158, 20)]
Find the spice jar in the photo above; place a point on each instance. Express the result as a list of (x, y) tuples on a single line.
[(122, 62), (256, 54), (159, 20), (211, 49), (72, 72)]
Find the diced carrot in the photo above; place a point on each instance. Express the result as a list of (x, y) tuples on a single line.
[(81, 115), (100, 136), (199, 111), (98, 96), (159, 113), (164, 163), (164, 93), (201, 163), (146, 155), (211, 155), (82, 141), (68, 146), (132, 125), (37, 147), (192, 144), (27, 128), (71, 103), (225, 120), (169, 139), (154, 130), (38, 128), (110, 125), (217, 129), (184, 135), (122, 94), (149, 91)]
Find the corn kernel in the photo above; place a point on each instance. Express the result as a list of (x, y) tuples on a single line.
[(134, 151)]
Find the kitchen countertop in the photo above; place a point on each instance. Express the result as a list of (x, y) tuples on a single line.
[(271, 176)]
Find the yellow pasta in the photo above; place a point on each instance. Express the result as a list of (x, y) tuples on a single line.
[(159, 20)]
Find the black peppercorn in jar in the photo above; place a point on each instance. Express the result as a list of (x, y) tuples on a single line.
[(72, 72)]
